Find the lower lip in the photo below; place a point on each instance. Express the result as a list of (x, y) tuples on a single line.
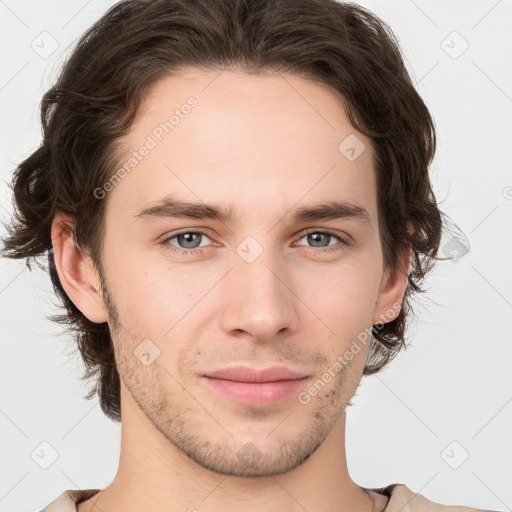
[(257, 394)]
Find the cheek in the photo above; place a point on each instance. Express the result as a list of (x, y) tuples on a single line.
[(144, 298), (344, 301), (160, 299)]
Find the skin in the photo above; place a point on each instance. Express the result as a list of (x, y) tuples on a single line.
[(265, 145)]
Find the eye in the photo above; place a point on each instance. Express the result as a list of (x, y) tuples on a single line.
[(188, 242), (315, 237)]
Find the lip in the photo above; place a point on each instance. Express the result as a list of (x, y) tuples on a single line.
[(246, 374), (258, 388)]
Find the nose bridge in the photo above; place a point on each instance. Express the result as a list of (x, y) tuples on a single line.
[(259, 300)]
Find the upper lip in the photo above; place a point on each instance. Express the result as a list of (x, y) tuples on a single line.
[(246, 374)]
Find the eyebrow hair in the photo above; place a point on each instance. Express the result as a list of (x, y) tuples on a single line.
[(171, 207)]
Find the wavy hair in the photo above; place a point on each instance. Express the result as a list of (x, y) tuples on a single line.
[(98, 91)]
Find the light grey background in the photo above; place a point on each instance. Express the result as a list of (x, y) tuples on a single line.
[(447, 397)]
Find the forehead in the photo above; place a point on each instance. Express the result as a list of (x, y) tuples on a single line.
[(220, 136)]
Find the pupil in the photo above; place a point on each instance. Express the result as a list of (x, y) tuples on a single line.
[(188, 237), (315, 236)]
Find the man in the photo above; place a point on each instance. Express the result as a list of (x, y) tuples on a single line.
[(235, 198)]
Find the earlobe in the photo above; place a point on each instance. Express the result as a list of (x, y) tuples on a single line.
[(76, 271)]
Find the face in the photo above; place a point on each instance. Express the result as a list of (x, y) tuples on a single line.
[(263, 287)]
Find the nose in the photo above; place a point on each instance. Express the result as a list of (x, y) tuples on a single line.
[(258, 300)]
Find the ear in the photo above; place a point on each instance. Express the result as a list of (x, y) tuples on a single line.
[(76, 271), (392, 290)]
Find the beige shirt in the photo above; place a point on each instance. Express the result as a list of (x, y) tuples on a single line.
[(398, 496)]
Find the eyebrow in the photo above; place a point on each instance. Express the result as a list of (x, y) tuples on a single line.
[(175, 208)]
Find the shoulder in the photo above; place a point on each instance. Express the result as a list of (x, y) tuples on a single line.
[(68, 500), (402, 499)]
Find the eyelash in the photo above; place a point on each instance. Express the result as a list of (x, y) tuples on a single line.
[(190, 252)]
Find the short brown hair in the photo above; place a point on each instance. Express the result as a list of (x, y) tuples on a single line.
[(96, 97)]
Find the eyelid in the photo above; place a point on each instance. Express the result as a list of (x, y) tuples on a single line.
[(173, 234), (166, 238), (204, 231), (344, 239)]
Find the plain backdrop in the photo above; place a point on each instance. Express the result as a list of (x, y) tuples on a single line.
[(440, 418)]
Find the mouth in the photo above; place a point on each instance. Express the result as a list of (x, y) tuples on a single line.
[(258, 388)]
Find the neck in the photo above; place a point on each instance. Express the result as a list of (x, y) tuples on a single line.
[(154, 475)]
